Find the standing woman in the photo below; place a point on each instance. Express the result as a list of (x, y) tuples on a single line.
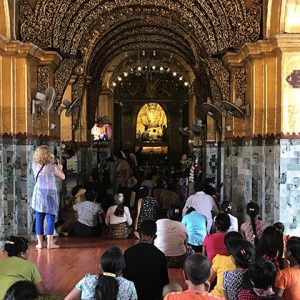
[(45, 200)]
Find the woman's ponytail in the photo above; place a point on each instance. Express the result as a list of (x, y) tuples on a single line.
[(253, 211), (107, 288), (112, 264)]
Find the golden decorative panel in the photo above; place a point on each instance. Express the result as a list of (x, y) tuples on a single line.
[(77, 94), (89, 34), (62, 76)]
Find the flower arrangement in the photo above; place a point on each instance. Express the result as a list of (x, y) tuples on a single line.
[(195, 169)]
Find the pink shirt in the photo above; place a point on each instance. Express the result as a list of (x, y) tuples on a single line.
[(247, 232), (214, 244)]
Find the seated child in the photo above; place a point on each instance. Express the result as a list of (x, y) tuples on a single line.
[(171, 287), (223, 263), (260, 278), (287, 283), (243, 253), (196, 272)]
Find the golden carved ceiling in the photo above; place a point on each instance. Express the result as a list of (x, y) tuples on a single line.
[(90, 33)]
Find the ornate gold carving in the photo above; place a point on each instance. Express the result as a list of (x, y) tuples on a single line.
[(86, 52), (216, 24), (100, 30), (247, 29), (61, 78), (42, 85), (37, 28), (43, 78), (218, 78), (77, 93), (25, 11), (238, 83)]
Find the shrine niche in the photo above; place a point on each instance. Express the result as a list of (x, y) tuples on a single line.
[(151, 123)]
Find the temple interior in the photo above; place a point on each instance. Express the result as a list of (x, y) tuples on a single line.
[(218, 80)]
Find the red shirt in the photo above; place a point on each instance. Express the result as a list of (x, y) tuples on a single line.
[(214, 244)]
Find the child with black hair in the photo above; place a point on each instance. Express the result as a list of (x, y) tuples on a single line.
[(22, 290), (16, 267), (223, 263), (109, 284), (252, 229), (271, 246), (213, 244), (261, 277), (287, 283), (243, 254), (196, 272), (234, 224)]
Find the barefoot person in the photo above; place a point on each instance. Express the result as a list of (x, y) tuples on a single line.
[(45, 198)]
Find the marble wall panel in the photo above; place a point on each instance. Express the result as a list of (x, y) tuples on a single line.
[(289, 204), (16, 185)]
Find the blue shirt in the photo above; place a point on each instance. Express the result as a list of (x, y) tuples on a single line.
[(89, 282), (195, 224)]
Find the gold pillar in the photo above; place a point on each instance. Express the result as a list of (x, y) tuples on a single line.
[(282, 16), (81, 133), (18, 85), (5, 27), (273, 101), (66, 133)]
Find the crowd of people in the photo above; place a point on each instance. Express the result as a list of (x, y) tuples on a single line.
[(219, 259)]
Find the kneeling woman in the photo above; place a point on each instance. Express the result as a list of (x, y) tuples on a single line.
[(90, 216), (109, 284), (118, 219), (172, 238)]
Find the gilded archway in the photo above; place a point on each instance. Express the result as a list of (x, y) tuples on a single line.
[(5, 26), (282, 16)]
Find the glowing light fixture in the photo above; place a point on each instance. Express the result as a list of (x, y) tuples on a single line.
[(174, 74)]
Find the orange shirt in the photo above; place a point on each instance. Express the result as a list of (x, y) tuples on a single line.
[(191, 295), (289, 281)]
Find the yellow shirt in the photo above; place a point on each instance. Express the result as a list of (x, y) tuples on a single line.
[(221, 264), (13, 269)]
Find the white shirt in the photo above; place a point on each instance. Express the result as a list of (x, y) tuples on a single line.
[(171, 237), (234, 224), (112, 219), (203, 204)]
